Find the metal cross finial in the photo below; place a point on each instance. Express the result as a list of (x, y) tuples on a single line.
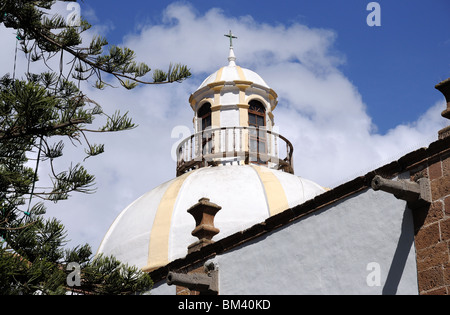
[(231, 36)]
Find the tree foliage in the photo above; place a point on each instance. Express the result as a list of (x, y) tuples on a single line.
[(39, 114), (33, 261)]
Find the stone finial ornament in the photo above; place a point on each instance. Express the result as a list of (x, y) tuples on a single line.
[(203, 213)]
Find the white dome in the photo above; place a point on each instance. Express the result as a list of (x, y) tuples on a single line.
[(233, 73), (156, 228)]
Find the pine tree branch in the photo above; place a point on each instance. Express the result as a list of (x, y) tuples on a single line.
[(81, 56), (8, 135), (17, 228)]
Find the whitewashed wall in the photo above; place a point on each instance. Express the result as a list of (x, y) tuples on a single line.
[(343, 249)]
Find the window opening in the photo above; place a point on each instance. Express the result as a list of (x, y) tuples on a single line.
[(257, 131), (204, 114)]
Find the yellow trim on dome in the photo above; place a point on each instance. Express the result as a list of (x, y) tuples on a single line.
[(219, 75), (158, 248), (276, 197), (241, 73)]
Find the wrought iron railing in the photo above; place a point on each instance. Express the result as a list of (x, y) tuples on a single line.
[(243, 145)]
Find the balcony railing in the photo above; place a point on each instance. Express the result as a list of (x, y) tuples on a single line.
[(235, 145)]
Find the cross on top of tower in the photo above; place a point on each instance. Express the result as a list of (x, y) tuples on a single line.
[(230, 36), (231, 56)]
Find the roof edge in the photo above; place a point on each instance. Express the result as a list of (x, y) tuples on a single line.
[(405, 163)]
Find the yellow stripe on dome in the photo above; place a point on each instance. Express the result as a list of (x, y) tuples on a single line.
[(276, 197), (218, 75), (158, 249), (241, 73)]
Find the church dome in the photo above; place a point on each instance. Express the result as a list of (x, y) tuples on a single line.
[(232, 73), (234, 161), (156, 228)]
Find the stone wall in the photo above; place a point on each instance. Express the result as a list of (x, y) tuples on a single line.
[(432, 228)]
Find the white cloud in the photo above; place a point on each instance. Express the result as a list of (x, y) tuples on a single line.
[(320, 111)]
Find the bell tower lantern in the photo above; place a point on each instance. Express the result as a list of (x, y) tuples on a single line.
[(233, 122)]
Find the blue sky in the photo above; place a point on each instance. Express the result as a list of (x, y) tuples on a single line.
[(394, 66), (351, 97)]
